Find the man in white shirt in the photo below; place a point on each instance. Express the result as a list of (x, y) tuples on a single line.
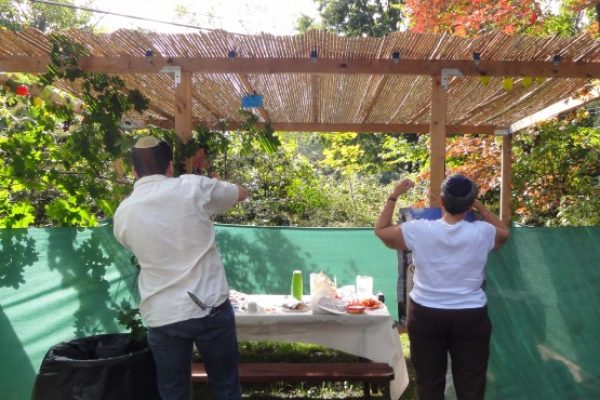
[(448, 308), (184, 296)]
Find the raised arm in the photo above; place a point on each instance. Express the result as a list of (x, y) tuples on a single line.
[(502, 232), (243, 193), (388, 232)]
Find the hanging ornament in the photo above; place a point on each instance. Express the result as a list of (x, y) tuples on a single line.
[(22, 90), (37, 101), (485, 80), (527, 81), (539, 80), (507, 84)]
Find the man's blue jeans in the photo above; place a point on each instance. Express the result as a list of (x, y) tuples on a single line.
[(216, 340)]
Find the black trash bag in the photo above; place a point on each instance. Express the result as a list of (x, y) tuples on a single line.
[(102, 367)]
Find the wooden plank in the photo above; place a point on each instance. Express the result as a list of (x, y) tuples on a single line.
[(506, 186), (437, 147), (208, 106), (314, 372), (129, 64), (555, 109), (183, 107), (373, 100), (315, 90), (345, 127)]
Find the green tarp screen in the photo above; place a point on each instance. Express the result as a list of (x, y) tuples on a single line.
[(542, 287)]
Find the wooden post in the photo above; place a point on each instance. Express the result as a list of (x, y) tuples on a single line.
[(183, 112), (505, 189), (437, 147), (183, 107)]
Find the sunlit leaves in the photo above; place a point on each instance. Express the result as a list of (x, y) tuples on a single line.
[(470, 18), (557, 176)]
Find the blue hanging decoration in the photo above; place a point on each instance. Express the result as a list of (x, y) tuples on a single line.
[(252, 101)]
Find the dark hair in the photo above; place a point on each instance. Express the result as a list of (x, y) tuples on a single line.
[(152, 160), (459, 194)]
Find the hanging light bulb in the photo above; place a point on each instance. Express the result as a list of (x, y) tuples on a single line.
[(507, 84), (485, 80)]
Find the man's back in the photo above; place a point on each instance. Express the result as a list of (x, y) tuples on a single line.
[(166, 224)]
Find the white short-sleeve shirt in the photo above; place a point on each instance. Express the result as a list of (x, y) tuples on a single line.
[(449, 261), (166, 223)]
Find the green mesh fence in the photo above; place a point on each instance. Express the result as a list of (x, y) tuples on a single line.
[(544, 296), (542, 289)]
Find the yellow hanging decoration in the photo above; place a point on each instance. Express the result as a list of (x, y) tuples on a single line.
[(527, 81), (507, 84), (37, 101), (539, 80), (485, 80)]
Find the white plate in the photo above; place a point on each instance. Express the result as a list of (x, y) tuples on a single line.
[(332, 310)]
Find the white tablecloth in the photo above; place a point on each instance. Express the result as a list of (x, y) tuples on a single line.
[(369, 335)]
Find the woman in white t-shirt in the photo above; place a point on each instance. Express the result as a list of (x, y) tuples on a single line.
[(448, 308)]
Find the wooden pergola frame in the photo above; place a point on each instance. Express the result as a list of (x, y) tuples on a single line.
[(442, 71)]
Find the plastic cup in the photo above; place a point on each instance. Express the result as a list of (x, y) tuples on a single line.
[(297, 285), (313, 281), (364, 286)]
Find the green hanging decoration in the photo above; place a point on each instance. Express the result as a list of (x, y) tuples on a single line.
[(507, 84)]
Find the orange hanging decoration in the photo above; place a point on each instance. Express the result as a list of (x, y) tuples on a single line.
[(22, 90)]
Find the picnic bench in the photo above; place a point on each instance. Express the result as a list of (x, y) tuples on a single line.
[(369, 373)]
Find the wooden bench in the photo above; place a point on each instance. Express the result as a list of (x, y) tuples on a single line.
[(366, 372)]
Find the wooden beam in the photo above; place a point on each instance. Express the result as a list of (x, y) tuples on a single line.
[(250, 90), (374, 97), (207, 106), (515, 104), (157, 110), (183, 107), (506, 187), (145, 65), (342, 127), (437, 147), (315, 90), (555, 109)]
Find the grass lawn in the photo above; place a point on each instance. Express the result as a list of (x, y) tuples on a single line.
[(298, 352)]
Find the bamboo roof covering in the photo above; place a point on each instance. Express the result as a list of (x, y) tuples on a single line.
[(353, 85)]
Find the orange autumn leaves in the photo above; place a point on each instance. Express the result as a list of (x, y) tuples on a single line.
[(467, 18)]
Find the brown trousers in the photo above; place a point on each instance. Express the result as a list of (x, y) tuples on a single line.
[(465, 334)]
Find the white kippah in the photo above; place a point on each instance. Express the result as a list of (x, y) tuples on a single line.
[(146, 142)]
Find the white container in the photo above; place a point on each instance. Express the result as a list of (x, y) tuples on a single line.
[(364, 286)]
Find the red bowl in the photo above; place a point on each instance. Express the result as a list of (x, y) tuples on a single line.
[(355, 309)]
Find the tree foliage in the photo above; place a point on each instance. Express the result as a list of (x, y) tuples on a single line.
[(473, 17), (557, 176), (356, 17), (59, 168), (18, 14)]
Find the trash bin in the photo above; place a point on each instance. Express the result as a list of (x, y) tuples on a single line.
[(102, 367)]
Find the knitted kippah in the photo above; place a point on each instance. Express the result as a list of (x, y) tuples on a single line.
[(146, 142)]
